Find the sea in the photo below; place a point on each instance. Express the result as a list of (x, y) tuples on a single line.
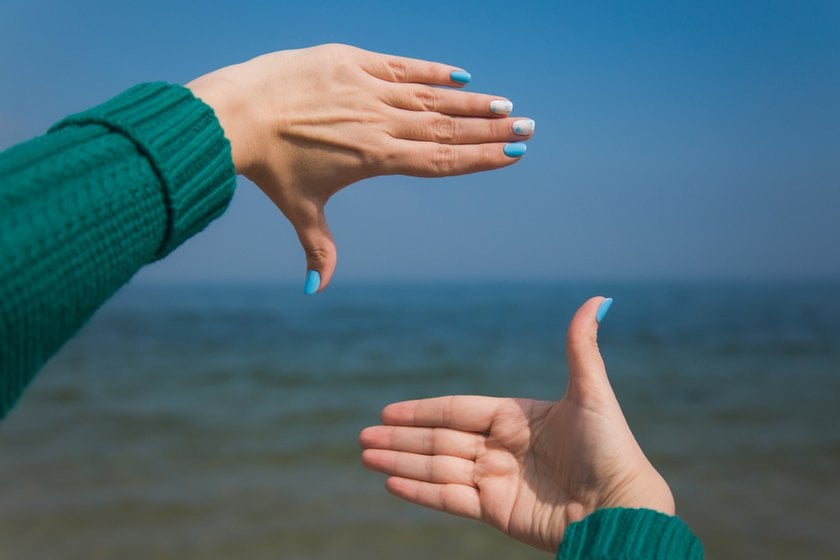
[(221, 420)]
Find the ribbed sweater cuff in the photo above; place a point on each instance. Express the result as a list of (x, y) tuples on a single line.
[(628, 534), (185, 145)]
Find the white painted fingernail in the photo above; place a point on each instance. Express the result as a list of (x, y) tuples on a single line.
[(523, 127), (501, 107)]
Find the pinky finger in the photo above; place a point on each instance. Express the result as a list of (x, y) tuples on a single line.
[(430, 159), (411, 70), (455, 499)]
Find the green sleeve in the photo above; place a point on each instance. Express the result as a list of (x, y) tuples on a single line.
[(84, 206), (629, 534)]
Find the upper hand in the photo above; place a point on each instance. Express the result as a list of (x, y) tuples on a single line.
[(526, 467), (305, 123)]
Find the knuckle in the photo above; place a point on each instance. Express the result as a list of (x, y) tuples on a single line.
[(337, 48), (443, 129), (489, 156), (443, 159), (384, 159), (447, 411), (330, 51), (397, 69), (379, 154), (369, 156), (316, 254), (477, 447), (424, 99), (430, 441), (432, 469), (496, 129), (477, 104)]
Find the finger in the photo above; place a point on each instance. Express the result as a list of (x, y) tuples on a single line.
[(412, 70), (587, 372), (430, 159), (443, 129), (467, 413), (414, 97), (440, 469), (450, 498), (426, 441), (315, 237)]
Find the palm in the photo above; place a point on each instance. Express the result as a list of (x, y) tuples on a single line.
[(528, 468), (511, 499)]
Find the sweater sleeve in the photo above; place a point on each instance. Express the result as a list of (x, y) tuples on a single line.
[(84, 206), (629, 534)]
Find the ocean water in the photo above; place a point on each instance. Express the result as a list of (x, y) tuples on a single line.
[(221, 421)]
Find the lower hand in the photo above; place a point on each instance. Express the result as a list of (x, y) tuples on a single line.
[(305, 123), (529, 468)]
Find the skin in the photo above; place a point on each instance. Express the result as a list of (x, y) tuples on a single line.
[(303, 124), (529, 468)]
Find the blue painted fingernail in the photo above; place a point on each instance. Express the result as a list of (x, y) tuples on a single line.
[(603, 308), (501, 107), (517, 149), (313, 282), (523, 127), (460, 76)]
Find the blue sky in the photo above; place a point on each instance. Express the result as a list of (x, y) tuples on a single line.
[(674, 140)]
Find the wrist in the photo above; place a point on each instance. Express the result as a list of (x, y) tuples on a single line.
[(647, 489), (232, 109)]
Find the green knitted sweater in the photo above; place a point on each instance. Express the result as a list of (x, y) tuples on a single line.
[(629, 534), (111, 189), (84, 206)]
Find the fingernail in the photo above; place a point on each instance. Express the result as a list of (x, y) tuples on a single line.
[(523, 127), (313, 282), (460, 76), (501, 107), (517, 149), (603, 308)]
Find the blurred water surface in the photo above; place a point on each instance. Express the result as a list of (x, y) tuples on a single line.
[(221, 421)]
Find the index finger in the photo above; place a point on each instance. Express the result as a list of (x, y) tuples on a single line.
[(467, 413), (412, 70)]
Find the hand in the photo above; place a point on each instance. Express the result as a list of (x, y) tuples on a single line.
[(305, 123), (528, 468)]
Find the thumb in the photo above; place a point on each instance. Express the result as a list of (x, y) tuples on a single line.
[(318, 245), (587, 372)]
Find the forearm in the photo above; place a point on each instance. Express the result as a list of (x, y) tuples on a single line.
[(629, 534), (83, 207)]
